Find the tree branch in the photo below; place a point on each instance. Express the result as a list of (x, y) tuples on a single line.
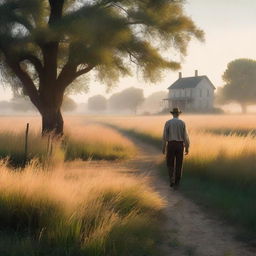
[(83, 71), (69, 74), (35, 61), (66, 76), (120, 7), (27, 82), (137, 22)]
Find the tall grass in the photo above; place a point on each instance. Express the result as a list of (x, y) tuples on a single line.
[(77, 212), (12, 146), (84, 142), (220, 172), (94, 141)]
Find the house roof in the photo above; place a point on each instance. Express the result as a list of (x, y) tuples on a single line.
[(189, 82)]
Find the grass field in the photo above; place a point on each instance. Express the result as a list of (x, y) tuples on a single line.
[(76, 211), (220, 172), (70, 209), (83, 140)]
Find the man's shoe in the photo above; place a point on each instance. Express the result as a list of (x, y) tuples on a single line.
[(172, 185)]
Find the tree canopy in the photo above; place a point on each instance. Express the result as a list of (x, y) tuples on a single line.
[(45, 45), (240, 82)]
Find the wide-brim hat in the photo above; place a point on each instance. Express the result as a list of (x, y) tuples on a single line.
[(176, 111)]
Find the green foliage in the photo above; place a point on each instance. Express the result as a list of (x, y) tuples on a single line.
[(103, 34), (45, 46), (240, 79)]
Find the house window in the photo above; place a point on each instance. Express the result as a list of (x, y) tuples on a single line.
[(208, 93)]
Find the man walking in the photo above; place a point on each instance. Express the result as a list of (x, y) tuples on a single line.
[(175, 138)]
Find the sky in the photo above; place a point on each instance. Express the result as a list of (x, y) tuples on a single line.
[(230, 33)]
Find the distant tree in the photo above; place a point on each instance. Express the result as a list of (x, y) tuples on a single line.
[(240, 79), (69, 105), (5, 105), (46, 45), (21, 104), (153, 102), (97, 103), (128, 99)]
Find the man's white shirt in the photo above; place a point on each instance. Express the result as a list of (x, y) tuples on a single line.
[(175, 130)]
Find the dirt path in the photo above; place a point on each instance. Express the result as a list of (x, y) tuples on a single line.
[(188, 230)]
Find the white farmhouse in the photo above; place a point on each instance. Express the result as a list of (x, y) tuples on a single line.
[(191, 94)]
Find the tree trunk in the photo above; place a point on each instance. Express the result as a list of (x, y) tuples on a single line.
[(244, 108), (52, 122)]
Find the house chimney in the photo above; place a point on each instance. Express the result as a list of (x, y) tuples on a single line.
[(180, 75), (196, 73)]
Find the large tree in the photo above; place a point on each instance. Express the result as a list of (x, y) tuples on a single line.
[(45, 45), (240, 79)]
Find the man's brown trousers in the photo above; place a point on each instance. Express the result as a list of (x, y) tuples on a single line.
[(174, 160)]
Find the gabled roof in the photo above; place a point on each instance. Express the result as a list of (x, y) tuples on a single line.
[(189, 82)]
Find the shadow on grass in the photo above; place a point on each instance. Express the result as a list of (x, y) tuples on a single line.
[(236, 132)]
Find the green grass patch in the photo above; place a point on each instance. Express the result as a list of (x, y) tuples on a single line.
[(234, 132)]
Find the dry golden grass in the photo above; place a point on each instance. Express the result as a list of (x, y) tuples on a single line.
[(203, 131), (154, 124), (72, 209), (77, 211), (220, 171), (83, 140)]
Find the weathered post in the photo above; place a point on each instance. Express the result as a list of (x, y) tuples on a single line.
[(26, 145)]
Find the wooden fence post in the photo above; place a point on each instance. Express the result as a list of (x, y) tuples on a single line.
[(26, 145)]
